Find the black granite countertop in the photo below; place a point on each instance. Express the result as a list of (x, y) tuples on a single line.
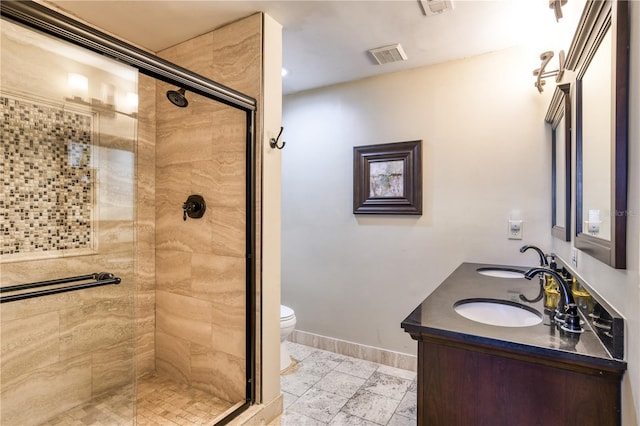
[(436, 316)]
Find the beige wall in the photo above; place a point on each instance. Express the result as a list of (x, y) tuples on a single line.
[(271, 209), (356, 277)]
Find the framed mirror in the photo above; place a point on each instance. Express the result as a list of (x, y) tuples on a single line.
[(559, 118), (599, 54)]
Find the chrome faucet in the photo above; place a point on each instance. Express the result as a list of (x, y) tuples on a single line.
[(570, 316), (543, 257)]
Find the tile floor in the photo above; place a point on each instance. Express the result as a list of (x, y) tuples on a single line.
[(160, 401), (321, 388), (324, 388)]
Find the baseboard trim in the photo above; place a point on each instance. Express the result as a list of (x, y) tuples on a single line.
[(355, 350)]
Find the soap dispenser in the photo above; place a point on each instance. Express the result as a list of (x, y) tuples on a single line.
[(551, 293)]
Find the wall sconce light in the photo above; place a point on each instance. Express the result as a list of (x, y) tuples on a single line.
[(556, 5), (541, 73)]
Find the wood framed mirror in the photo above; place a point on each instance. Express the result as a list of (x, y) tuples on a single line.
[(559, 118), (599, 54)]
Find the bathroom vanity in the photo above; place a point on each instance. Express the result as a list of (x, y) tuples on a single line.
[(470, 372)]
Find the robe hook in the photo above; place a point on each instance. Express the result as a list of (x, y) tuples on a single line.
[(273, 143)]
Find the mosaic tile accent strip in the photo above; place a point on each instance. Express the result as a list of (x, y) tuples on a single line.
[(47, 179)]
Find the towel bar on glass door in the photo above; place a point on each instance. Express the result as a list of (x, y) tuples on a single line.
[(101, 278)]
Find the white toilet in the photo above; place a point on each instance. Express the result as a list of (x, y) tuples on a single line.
[(287, 324)]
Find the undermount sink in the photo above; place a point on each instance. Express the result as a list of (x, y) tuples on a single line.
[(500, 272), (497, 312)]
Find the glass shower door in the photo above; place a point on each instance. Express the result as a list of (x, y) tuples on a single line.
[(69, 124)]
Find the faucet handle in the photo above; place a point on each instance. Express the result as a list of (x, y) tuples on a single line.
[(571, 319), (194, 207)]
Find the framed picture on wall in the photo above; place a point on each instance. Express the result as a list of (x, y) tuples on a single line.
[(387, 178)]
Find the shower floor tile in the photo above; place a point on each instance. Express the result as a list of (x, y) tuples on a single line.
[(159, 401), (163, 401), (108, 409)]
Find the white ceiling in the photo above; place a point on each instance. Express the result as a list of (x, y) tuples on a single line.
[(326, 42)]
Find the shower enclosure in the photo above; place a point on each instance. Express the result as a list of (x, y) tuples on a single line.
[(120, 303)]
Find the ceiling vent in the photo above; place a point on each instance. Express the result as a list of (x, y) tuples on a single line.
[(435, 7), (387, 54)]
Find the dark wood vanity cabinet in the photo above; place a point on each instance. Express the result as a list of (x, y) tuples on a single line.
[(460, 383), (472, 373)]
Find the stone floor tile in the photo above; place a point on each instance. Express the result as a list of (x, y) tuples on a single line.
[(369, 393), (344, 419), (318, 405), (358, 367), (288, 399), (397, 372), (385, 385), (398, 420), (319, 363), (291, 418), (409, 406), (372, 407), (326, 355), (299, 382), (339, 383), (298, 351)]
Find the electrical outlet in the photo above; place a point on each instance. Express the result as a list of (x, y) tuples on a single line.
[(574, 257), (515, 229)]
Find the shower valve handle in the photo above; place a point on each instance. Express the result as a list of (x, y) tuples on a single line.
[(194, 207)]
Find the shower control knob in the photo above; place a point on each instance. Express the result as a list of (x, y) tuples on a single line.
[(194, 207)]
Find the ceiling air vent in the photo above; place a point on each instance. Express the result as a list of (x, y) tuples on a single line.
[(387, 54), (435, 7)]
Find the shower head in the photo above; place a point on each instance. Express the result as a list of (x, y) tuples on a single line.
[(177, 97)]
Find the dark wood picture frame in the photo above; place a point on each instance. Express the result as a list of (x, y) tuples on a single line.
[(387, 178)]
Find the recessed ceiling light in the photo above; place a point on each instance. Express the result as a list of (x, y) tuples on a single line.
[(284, 72)]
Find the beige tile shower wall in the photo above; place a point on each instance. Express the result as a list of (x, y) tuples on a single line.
[(200, 263), (145, 266)]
